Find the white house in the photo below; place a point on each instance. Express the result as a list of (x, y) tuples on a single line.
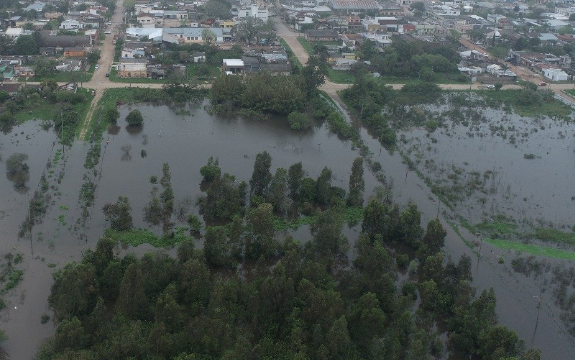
[(555, 74), (14, 33)]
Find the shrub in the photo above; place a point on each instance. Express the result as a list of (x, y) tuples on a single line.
[(299, 121)]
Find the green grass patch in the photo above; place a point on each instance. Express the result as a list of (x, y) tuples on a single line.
[(137, 237), (340, 76), (555, 235), (496, 229), (307, 46), (202, 71), (552, 108), (352, 215), (65, 76), (532, 249)]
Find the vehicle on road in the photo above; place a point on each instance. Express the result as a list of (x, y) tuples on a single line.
[(97, 67), (107, 74), (543, 84)]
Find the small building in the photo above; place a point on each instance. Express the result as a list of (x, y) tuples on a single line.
[(199, 57), (233, 66), (555, 74), (253, 11), (132, 68)]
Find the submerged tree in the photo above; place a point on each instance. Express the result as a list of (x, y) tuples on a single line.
[(135, 118), (18, 171), (356, 184), (261, 176), (119, 214)]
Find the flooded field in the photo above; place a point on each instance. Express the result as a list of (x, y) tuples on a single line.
[(492, 162), (186, 138)]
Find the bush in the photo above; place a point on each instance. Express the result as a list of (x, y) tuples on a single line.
[(112, 115), (135, 118), (299, 121)]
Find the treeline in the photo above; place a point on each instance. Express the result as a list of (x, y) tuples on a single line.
[(285, 300)]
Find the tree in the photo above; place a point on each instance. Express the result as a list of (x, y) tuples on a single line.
[(26, 45), (211, 170), (208, 36), (217, 9), (420, 6), (356, 184), (18, 171), (278, 191), (295, 177), (215, 246), (260, 241), (313, 75), (119, 214), (261, 175), (249, 29), (323, 186), (135, 118), (93, 57), (132, 300), (112, 115)]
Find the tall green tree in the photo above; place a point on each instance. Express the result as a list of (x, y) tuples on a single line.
[(260, 237), (323, 186), (295, 178), (261, 175), (278, 191), (132, 299), (356, 184)]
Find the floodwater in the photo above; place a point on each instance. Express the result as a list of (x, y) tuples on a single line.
[(503, 164), (186, 142)]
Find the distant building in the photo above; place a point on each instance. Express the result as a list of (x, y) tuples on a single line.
[(71, 25), (353, 5), (253, 11), (321, 35)]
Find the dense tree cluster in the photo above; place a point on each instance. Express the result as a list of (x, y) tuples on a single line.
[(413, 59), (286, 301)]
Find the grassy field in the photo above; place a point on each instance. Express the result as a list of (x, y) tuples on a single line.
[(532, 249), (306, 45), (340, 76)]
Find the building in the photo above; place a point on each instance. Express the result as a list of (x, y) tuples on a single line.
[(233, 66), (194, 35), (71, 24), (133, 68), (321, 35), (353, 5), (254, 11)]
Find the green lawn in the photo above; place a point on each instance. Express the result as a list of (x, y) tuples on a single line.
[(532, 249), (64, 76)]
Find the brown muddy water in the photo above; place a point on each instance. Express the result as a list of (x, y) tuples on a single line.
[(185, 142)]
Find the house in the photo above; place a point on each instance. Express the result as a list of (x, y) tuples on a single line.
[(555, 74), (93, 34), (133, 50), (7, 71), (11, 88), (37, 6), (233, 66), (353, 5), (146, 20), (343, 64), (70, 24), (69, 65), (321, 35), (25, 71), (548, 38), (133, 68)]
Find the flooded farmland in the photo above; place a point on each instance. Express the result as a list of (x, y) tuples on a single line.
[(185, 140)]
